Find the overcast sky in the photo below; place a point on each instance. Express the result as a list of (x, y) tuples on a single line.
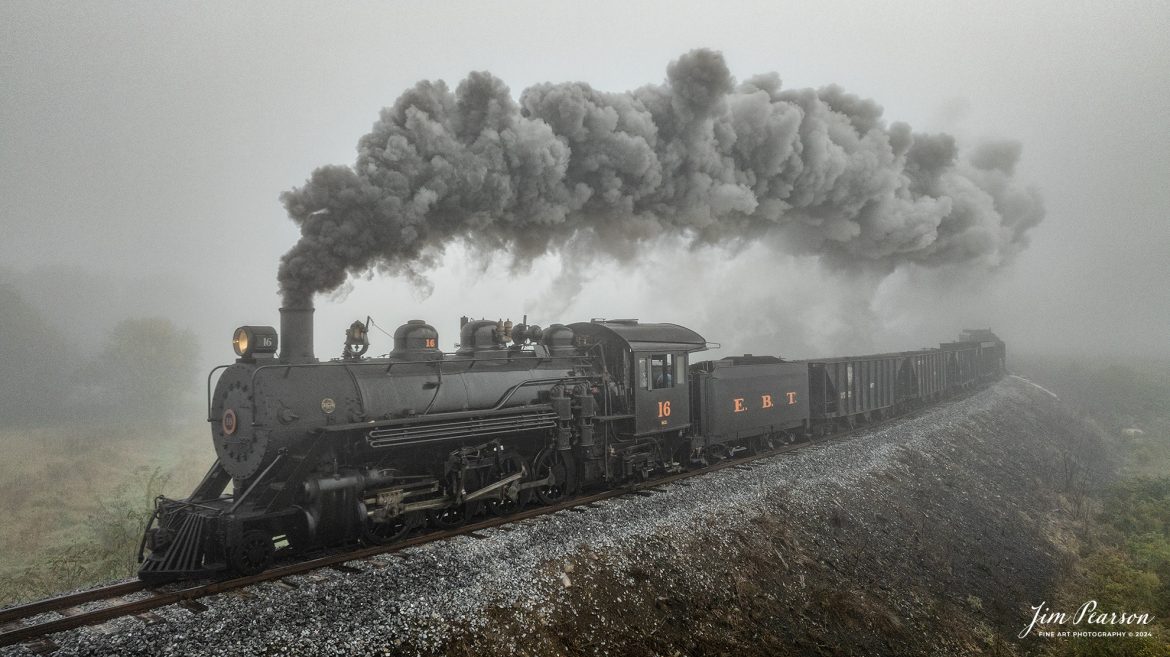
[(144, 147)]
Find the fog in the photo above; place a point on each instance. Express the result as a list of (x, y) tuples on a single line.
[(145, 148)]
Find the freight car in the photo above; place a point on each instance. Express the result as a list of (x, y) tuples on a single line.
[(748, 403), (314, 454)]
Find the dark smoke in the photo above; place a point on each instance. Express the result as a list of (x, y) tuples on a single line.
[(580, 171)]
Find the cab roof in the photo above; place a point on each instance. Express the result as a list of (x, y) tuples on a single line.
[(643, 337)]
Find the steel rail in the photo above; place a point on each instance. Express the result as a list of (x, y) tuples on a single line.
[(70, 600)]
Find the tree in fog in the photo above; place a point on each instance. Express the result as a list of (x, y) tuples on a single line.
[(36, 361), (145, 371)]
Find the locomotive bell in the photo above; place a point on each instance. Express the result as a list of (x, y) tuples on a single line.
[(356, 335), (356, 341)]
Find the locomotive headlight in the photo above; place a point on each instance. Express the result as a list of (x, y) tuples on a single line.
[(240, 341), (249, 341)]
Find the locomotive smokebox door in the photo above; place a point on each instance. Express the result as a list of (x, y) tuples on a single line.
[(664, 403)]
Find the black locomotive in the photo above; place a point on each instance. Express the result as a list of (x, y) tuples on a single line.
[(327, 453)]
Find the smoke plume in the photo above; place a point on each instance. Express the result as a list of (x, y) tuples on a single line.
[(578, 171)]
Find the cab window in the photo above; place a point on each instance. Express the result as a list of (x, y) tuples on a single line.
[(662, 374)]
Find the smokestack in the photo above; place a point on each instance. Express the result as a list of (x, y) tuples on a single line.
[(296, 335)]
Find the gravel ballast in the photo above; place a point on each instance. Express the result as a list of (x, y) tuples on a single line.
[(875, 544)]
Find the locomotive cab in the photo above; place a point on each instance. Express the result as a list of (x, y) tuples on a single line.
[(646, 365), (661, 394)]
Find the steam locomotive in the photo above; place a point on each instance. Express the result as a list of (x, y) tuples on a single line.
[(320, 454)]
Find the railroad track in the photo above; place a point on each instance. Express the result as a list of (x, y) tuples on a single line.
[(20, 624)]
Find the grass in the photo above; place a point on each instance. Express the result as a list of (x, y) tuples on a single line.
[(1124, 547), (76, 497)]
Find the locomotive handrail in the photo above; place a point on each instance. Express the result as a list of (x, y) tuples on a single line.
[(434, 397), (436, 417), (511, 391), (278, 459), (337, 363), (146, 531), (356, 386), (470, 363), (374, 424), (346, 365), (209, 374)]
